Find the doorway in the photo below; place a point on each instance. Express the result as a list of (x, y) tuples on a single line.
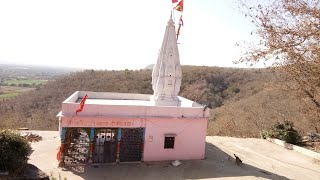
[(105, 145)]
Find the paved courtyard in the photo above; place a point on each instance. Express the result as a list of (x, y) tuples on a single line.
[(261, 160)]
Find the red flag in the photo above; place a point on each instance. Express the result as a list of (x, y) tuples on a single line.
[(174, 1), (180, 24), (179, 6), (82, 104), (181, 21)]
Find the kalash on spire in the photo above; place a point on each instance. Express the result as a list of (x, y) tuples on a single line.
[(166, 75)]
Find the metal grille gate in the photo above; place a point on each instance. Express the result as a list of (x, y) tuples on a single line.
[(76, 151), (131, 145)]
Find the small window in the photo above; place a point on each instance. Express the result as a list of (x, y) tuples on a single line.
[(168, 142)]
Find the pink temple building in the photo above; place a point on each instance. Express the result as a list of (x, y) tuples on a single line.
[(120, 127)]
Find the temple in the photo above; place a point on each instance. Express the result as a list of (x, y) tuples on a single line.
[(121, 127)]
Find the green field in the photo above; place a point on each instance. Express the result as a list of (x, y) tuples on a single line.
[(9, 95), (9, 91), (26, 81), (14, 87)]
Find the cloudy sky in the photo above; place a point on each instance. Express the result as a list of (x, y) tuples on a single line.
[(122, 34)]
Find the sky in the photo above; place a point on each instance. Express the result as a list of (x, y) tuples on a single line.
[(126, 34)]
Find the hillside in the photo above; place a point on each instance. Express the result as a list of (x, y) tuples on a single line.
[(243, 101)]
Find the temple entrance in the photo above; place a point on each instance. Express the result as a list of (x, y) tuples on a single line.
[(105, 145), (76, 151), (131, 146)]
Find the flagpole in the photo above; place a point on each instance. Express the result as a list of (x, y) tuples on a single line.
[(178, 7), (172, 13)]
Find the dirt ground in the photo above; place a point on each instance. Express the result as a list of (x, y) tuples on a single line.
[(261, 160)]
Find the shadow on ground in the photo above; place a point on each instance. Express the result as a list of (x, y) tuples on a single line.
[(29, 172), (217, 164)]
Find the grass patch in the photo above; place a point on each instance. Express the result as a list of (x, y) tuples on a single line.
[(7, 89), (9, 95), (12, 91), (26, 81)]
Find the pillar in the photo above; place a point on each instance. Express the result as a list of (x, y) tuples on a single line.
[(62, 137), (91, 145), (118, 145), (60, 126), (143, 139)]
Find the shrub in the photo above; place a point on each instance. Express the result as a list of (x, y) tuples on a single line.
[(234, 89), (14, 151), (284, 131)]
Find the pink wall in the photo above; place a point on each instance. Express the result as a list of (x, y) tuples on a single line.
[(188, 123), (189, 140)]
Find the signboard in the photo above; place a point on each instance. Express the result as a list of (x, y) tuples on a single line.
[(102, 122)]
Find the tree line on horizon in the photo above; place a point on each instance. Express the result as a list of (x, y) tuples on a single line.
[(37, 108), (234, 95)]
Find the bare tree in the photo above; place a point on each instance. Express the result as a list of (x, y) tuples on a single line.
[(289, 32)]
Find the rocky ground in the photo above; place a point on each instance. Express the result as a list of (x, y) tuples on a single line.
[(312, 142)]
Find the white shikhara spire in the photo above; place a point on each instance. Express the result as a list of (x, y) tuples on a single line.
[(166, 74)]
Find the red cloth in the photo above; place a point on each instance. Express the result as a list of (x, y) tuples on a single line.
[(82, 104), (59, 154), (174, 1)]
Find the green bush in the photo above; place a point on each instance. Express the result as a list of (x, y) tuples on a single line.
[(14, 151), (234, 89), (284, 131)]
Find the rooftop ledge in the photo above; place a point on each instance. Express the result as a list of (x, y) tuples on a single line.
[(126, 99), (129, 105)]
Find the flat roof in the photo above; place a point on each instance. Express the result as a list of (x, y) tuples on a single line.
[(128, 105), (122, 99), (117, 102)]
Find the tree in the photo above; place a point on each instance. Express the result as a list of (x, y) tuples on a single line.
[(289, 32), (14, 151)]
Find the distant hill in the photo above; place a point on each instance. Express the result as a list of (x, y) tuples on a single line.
[(149, 67), (32, 71), (243, 101)]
